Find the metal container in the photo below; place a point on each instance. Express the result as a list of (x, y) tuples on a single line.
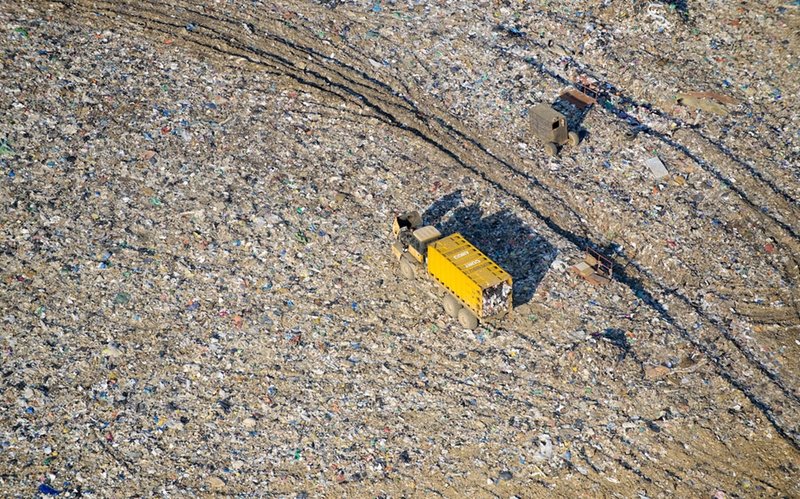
[(478, 283)]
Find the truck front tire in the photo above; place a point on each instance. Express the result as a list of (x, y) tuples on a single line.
[(406, 269), (574, 139)]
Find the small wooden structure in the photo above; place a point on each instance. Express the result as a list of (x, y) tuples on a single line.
[(595, 268)]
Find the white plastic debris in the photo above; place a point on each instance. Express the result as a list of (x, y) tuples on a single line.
[(657, 167)]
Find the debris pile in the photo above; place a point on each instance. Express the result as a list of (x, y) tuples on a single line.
[(198, 295)]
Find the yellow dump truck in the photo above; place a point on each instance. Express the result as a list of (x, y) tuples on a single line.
[(475, 288)]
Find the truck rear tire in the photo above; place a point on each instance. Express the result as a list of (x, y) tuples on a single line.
[(551, 149), (451, 306), (406, 268), (467, 319)]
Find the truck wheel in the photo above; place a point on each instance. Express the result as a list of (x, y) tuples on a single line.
[(406, 269), (467, 319), (451, 306), (574, 138), (551, 149)]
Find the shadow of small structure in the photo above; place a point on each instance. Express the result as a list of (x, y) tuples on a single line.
[(574, 111), (502, 236), (618, 338)]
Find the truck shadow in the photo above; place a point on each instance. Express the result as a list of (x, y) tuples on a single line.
[(502, 236)]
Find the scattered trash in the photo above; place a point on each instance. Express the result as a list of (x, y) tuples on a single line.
[(657, 168), (5, 148), (48, 490), (544, 451), (216, 484), (656, 372), (707, 101), (197, 294)]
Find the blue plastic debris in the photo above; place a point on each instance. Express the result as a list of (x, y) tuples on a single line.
[(48, 490)]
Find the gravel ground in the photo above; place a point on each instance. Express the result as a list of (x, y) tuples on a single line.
[(198, 295)]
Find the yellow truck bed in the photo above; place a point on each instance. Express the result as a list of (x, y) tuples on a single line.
[(469, 275)]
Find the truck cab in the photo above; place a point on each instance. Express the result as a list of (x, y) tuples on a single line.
[(412, 239)]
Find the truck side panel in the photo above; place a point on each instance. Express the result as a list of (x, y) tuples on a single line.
[(465, 271)]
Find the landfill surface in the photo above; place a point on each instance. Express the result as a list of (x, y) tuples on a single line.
[(197, 295)]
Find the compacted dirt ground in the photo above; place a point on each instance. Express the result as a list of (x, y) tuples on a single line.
[(196, 291)]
